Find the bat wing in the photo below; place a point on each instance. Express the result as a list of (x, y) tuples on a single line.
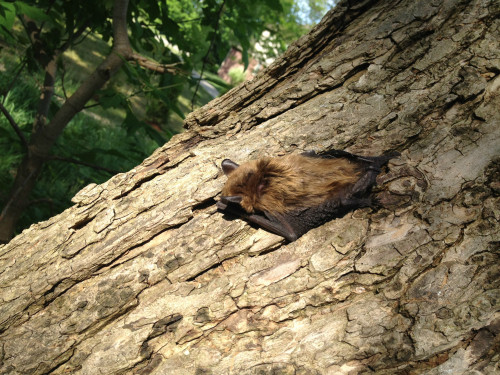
[(276, 224), (366, 161), (303, 220), (294, 224)]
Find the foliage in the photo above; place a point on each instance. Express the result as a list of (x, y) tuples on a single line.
[(314, 11), (237, 75), (135, 112), (92, 140)]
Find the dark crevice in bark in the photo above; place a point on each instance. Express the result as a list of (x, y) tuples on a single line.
[(57, 363), (82, 223), (357, 69), (89, 331), (167, 324), (411, 39), (161, 167), (269, 250), (116, 263), (136, 185), (206, 270), (60, 287), (203, 205), (147, 365)]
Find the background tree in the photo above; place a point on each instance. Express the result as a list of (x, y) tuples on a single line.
[(158, 44), (143, 276)]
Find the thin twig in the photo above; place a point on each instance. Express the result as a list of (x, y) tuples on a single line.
[(15, 126), (152, 65), (74, 36), (63, 74), (191, 20), (205, 58), (77, 42), (92, 105)]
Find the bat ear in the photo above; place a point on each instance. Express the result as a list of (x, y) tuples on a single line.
[(228, 166), (260, 187)]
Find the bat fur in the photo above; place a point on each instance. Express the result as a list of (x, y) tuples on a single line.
[(291, 194)]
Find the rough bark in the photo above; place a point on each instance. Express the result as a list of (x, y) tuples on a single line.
[(144, 276)]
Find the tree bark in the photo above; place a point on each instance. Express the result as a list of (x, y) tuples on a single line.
[(144, 276)]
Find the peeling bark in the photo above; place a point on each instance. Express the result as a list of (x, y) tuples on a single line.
[(144, 276)]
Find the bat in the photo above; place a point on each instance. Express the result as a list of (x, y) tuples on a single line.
[(292, 194)]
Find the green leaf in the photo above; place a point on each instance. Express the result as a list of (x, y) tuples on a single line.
[(131, 122), (7, 15), (33, 12), (7, 18), (6, 34), (109, 98), (244, 56), (6, 136), (275, 5)]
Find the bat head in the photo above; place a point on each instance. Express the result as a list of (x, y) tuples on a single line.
[(244, 184)]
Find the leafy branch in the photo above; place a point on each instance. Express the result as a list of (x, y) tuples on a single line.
[(205, 58)]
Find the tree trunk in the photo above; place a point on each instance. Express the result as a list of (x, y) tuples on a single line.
[(144, 276)]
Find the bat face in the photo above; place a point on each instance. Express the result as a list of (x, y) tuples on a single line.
[(291, 194), (244, 184)]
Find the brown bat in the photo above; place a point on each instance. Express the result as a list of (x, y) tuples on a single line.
[(292, 194)]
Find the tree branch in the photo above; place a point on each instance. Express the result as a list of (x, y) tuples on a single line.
[(121, 42), (76, 102), (13, 123)]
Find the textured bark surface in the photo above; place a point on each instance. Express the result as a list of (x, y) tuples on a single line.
[(144, 276)]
